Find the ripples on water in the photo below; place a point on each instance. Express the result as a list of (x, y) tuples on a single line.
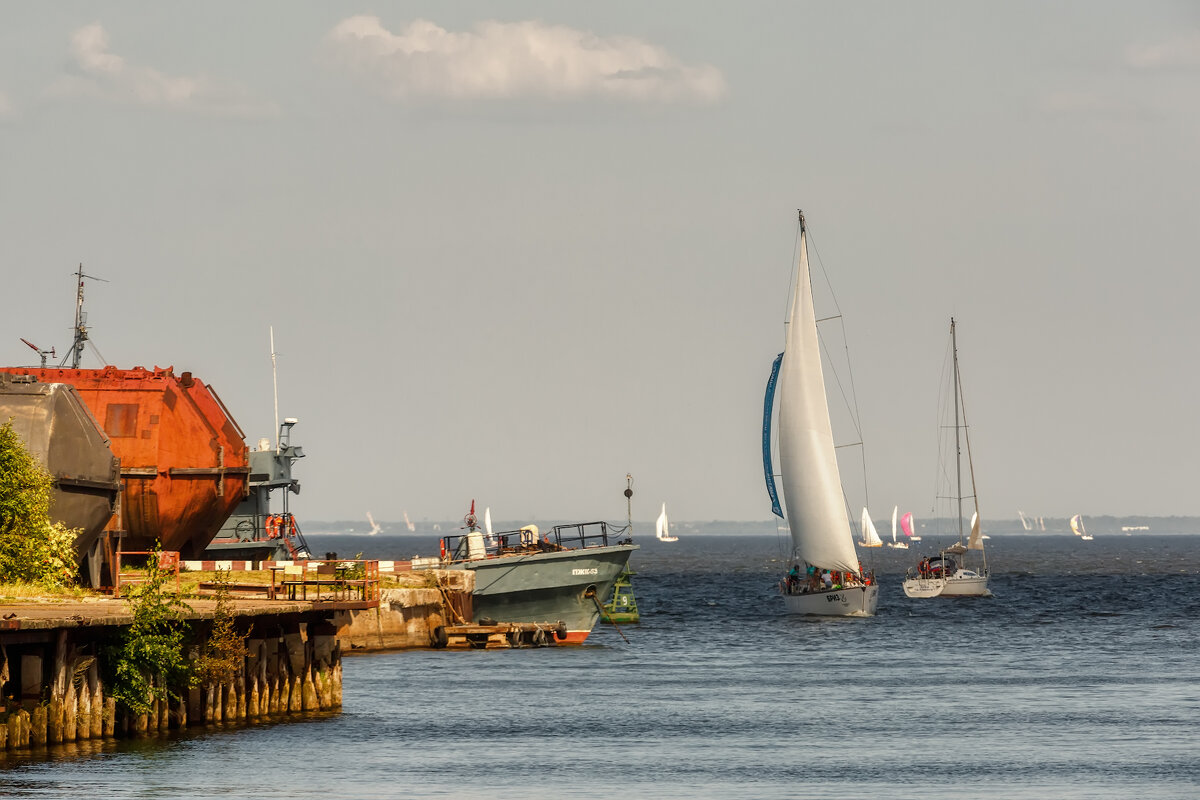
[(1078, 680)]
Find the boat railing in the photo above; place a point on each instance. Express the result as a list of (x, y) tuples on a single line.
[(581, 534), (476, 544)]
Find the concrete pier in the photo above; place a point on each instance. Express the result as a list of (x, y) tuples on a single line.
[(407, 617), (50, 670)]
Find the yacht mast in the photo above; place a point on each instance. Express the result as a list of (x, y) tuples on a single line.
[(957, 441)]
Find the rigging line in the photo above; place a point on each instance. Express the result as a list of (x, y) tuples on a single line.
[(852, 401), (940, 476), (96, 350), (854, 398), (828, 283), (838, 379), (962, 401), (792, 274)]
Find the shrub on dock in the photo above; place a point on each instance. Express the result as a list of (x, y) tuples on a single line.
[(32, 548), (223, 652), (148, 664)]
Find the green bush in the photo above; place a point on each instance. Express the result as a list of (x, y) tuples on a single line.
[(148, 662), (223, 653), (32, 548)]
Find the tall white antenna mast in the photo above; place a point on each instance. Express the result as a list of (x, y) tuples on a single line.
[(275, 383)]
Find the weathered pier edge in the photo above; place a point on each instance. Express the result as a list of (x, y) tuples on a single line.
[(50, 672), (52, 692)]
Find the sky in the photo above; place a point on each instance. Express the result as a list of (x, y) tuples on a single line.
[(513, 252)]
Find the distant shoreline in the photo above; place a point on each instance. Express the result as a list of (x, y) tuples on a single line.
[(1056, 526)]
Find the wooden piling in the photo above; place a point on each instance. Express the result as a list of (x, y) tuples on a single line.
[(252, 700), (70, 706), (291, 665), (38, 719), (83, 727)]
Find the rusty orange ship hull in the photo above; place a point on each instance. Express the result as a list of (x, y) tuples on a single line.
[(184, 461)]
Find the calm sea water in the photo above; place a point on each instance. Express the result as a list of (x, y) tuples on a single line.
[(1079, 679)]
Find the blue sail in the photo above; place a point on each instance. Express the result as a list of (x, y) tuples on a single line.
[(768, 408)]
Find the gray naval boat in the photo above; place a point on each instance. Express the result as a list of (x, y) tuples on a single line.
[(560, 578), (256, 531)]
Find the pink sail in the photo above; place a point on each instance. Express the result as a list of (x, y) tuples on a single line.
[(906, 524)]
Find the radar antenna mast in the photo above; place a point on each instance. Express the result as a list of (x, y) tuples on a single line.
[(275, 384), (81, 332)]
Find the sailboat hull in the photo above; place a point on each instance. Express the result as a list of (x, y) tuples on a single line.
[(964, 583), (856, 601)]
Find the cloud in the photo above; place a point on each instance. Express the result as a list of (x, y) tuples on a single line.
[(511, 60), (1089, 102), (1179, 52), (101, 74)]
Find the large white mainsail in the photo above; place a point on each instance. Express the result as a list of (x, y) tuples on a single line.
[(812, 485)]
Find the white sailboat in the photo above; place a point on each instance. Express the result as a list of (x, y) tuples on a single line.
[(1078, 529), (870, 535), (408, 523), (374, 525), (943, 575), (899, 545), (816, 512), (662, 528)]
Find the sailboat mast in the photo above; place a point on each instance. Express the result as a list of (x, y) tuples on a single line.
[(957, 439)]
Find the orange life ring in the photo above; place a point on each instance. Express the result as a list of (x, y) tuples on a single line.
[(443, 542)]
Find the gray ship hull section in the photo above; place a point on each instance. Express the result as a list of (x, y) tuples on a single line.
[(547, 587)]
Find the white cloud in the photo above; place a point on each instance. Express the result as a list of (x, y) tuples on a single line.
[(1181, 51), (502, 60), (99, 73)]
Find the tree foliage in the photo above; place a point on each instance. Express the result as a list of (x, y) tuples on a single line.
[(32, 548), (148, 659), (223, 654)]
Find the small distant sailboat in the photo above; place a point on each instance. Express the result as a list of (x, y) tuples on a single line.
[(408, 523), (870, 535), (894, 542), (1026, 524), (906, 525), (487, 526), (662, 528), (374, 525), (1078, 529)]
